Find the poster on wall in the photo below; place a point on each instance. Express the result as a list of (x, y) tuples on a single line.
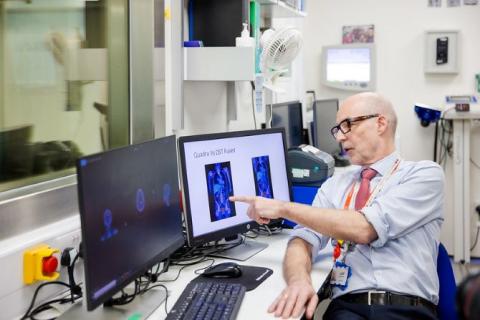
[(453, 3), (434, 3), (358, 34), (470, 2)]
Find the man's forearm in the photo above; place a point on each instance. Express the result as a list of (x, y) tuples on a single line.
[(297, 264), (340, 224)]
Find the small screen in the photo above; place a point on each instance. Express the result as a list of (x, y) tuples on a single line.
[(130, 214), (324, 115), (348, 64), (221, 165), (288, 115)]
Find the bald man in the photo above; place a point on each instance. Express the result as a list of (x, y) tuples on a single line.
[(383, 219)]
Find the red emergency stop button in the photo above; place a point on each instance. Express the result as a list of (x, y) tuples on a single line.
[(49, 264)]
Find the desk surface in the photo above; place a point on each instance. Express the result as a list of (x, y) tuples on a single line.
[(256, 302)]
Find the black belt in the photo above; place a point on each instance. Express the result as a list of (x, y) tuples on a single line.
[(387, 298)]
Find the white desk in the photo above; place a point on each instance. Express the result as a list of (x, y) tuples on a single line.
[(256, 302), (461, 188)]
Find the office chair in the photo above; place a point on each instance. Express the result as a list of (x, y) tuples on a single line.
[(446, 304)]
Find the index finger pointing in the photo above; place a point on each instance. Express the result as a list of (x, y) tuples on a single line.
[(246, 199)]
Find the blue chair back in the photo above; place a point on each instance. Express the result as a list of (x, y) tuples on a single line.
[(446, 305)]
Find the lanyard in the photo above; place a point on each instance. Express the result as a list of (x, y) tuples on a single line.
[(356, 186), (341, 247)]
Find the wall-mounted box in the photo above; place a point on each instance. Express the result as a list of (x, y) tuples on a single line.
[(441, 52)]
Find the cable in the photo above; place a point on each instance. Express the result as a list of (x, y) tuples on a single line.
[(476, 240), (197, 271), (253, 105), (271, 116), (474, 163), (32, 303), (445, 141), (48, 305), (166, 294), (124, 298)]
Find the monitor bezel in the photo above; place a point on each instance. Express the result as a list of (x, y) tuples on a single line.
[(233, 230), (288, 104), (373, 69), (315, 124), (94, 303)]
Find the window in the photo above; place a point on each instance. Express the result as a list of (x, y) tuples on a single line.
[(55, 94)]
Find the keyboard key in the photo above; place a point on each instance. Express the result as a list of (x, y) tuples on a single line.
[(208, 300)]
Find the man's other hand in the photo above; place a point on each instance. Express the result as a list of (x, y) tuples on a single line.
[(296, 297)]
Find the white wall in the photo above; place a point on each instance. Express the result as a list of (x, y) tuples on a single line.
[(400, 47)]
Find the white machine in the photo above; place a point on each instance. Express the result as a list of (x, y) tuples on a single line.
[(461, 170)]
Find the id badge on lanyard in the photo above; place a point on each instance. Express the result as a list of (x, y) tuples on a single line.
[(341, 272)]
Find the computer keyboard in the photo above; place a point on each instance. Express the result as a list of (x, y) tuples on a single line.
[(208, 300)]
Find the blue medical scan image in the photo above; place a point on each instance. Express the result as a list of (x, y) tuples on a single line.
[(140, 200), (167, 193), (110, 231), (262, 177), (220, 187)]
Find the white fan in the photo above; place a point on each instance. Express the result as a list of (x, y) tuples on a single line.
[(279, 48)]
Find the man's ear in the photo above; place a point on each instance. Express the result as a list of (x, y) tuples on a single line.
[(382, 124)]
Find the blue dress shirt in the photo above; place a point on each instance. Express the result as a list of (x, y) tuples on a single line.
[(407, 215)]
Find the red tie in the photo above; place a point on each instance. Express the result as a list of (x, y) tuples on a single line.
[(364, 190)]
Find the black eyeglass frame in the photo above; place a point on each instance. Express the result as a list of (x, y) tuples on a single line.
[(349, 121)]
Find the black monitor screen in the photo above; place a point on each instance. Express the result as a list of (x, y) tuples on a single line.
[(288, 115), (324, 117), (130, 214), (216, 166)]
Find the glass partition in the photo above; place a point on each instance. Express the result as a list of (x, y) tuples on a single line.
[(56, 100)]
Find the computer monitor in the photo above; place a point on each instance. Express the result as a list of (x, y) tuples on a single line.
[(349, 67), (288, 115), (324, 117), (216, 166), (130, 214)]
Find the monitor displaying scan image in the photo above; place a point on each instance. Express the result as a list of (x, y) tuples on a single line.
[(130, 215), (288, 115), (216, 166)]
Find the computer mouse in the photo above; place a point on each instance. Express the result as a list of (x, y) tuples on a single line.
[(223, 270)]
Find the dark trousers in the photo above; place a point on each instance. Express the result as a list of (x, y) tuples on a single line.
[(338, 310)]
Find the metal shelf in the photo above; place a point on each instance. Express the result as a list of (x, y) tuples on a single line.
[(279, 9)]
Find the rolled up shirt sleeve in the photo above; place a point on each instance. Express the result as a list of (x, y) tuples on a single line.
[(408, 205)]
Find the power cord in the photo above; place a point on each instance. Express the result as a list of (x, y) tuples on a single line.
[(47, 306), (477, 208), (28, 314), (253, 105), (69, 257)]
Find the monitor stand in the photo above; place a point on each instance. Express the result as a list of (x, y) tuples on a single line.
[(241, 252), (140, 308)]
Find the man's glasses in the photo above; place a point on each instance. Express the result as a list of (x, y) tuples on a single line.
[(345, 126)]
